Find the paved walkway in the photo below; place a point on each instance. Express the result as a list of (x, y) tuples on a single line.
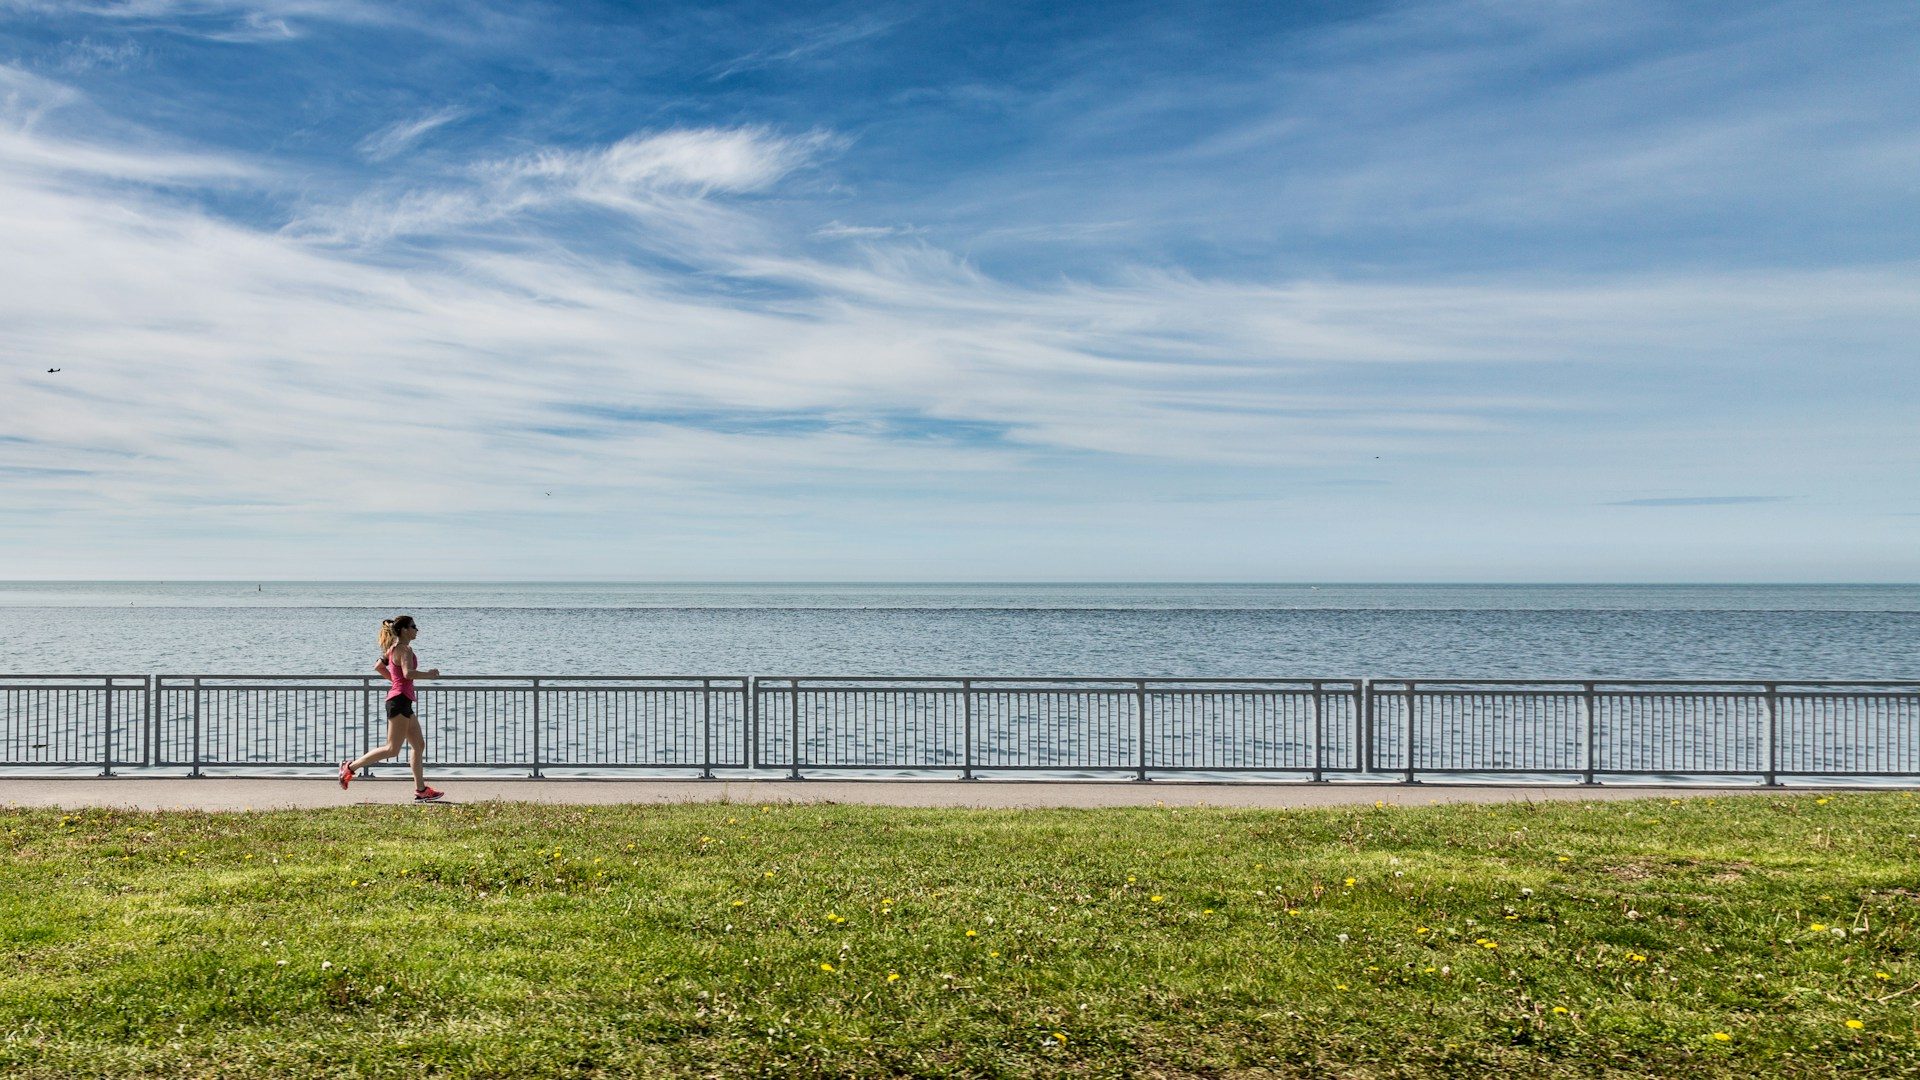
[(251, 793)]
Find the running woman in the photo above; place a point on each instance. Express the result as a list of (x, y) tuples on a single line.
[(401, 667)]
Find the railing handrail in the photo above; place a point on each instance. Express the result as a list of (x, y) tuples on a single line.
[(447, 678)]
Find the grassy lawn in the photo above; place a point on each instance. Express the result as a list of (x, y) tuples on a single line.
[(1727, 936)]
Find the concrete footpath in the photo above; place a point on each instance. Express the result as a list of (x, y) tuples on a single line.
[(255, 793)]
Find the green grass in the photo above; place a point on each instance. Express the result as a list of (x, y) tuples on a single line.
[(489, 940)]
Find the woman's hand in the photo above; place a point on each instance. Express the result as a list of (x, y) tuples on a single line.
[(430, 673)]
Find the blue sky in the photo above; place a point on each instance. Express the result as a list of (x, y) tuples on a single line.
[(1398, 291)]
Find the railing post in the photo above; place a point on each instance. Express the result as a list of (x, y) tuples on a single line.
[(366, 721), (536, 729), (750, 718), (196, 728), (966, 730), (1363, 726), (1590, 717), (1411, 732), (1140, 708), (793, 698), (1773, 734), (706, 726), (148, 724), (106, 754), (1319, 735)]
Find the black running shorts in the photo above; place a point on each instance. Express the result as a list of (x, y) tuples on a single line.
[(399, 705)]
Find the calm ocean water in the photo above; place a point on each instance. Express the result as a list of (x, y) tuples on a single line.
[(1823, 631)]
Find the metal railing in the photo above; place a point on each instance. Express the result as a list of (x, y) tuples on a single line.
[(475, 721), (1135, 726), (76, 720), (1317, 729)]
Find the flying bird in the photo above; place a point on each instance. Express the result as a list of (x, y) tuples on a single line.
[(51, 370)]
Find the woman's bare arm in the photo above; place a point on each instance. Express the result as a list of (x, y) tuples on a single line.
[(410, 664)]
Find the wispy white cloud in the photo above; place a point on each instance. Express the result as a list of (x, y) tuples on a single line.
[(812, 41), (86, 54), (26, 101), (402, 134), (664, 177)]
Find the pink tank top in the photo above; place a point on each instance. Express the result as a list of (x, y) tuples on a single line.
[(402, 686)]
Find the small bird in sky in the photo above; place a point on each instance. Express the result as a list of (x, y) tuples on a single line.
[(549, 494), (51, 370)]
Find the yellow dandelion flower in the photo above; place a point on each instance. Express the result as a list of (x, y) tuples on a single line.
[(1350, 882), (1492, 945), (1421, 930), (1293, 911), (1638, 958), (1428, 971), (971, 933), (1821, 802), (1881, 975), (1340, 986), (992, 954), (1721, 1036), (1818, 928), (1060, 1036), (1560, 1010), (893, 976), (1855, 1025), (1129, 879), (739, 903), (1156, 898), (1379, 804), (826, 967), (1208, 911), (1563, 858)]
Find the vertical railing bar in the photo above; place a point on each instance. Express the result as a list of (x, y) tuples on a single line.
[(196, 729), (1319, 735), (106, 753), (1590, 707), (966, 729), (1363, 726), (366, 719), (1773, 734), (147, 722), (536, 728), (1410, 732), (793, 698), (706, 725), (1140, 703)]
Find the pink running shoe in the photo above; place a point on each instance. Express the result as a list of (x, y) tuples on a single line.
[(427, 794), (346, 774)]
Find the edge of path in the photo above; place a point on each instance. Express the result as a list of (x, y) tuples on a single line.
[(285, 793)]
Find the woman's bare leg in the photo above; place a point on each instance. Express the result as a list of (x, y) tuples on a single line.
[(396, 732), (419, 740)]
